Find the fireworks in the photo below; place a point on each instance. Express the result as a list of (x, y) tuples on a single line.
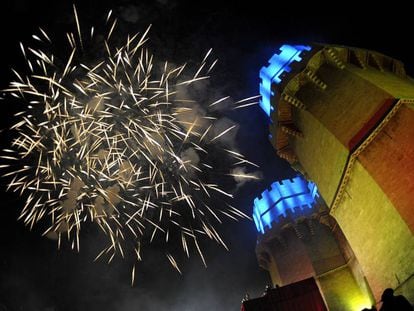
[(120, 144)]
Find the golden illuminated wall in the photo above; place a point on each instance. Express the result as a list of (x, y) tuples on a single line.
[(314, 248), (345, 119), (321, 153), (380, 239)]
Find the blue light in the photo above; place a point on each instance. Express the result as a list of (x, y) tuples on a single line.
[(283, 196), (278, 64)]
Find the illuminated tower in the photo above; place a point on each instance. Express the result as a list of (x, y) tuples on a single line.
[(298, 240), (344, 117)]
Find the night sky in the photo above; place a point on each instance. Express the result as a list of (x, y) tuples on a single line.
[(34, 275)]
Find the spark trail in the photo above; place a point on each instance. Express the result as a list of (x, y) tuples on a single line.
[(116, 143)]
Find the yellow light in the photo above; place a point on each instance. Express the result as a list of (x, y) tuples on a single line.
[(357, 303)]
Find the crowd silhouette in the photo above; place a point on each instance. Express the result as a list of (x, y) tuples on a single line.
[(389, 302)]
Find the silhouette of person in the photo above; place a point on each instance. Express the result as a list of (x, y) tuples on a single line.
[(391, 302)]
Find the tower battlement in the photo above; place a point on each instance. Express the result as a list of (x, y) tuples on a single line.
[(278, 64), (289, 198)]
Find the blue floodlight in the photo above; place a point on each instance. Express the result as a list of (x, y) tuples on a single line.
[(282, 196), (278, 64)]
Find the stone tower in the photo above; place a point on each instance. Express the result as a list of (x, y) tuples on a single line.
[(298, 239), (344, 118)]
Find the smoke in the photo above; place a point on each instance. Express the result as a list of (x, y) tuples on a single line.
[(190, 159), (198, 289), (238, 172), (227, 125), (192, 116), (129, 13)]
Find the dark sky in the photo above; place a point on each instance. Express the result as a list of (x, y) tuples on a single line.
[(34, 275)]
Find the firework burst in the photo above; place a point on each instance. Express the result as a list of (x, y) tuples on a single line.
[(116, 143)]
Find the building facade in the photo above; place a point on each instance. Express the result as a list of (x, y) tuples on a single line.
[(344, 118)]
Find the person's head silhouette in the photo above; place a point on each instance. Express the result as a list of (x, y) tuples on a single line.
[(387, 295), (391, 302)]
